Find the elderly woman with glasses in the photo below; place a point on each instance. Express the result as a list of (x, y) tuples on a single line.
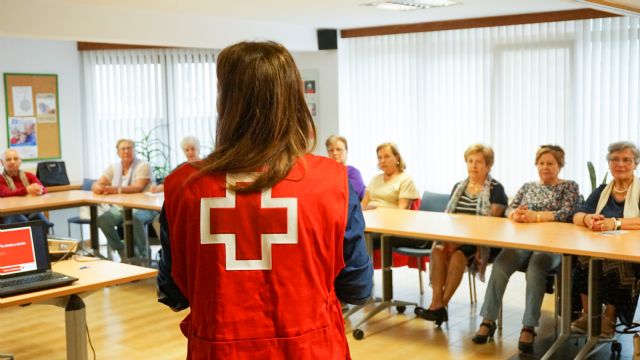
[(549, 199), (613, 206)]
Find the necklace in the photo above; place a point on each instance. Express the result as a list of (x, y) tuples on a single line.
[(620, 191)]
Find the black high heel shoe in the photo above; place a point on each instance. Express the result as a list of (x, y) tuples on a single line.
[(482, 339), (439, 315), (527, 347)]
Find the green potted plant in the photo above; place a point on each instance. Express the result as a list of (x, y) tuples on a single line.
[(592, 176), (155, 151)]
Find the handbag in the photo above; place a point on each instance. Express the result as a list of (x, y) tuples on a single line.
[(52, 173)]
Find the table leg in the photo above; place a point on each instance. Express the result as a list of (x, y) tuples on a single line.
[(595, 309), (76, 325), (565, 298), (387, 286), (93, 230), (128, 232)]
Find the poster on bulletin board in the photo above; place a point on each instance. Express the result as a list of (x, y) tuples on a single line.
[(33, 122), (310, 80)]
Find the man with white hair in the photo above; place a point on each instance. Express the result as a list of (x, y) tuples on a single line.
[(15, 182)]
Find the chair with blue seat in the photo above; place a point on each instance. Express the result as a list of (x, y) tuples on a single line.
[(420, 250), (86, 185)]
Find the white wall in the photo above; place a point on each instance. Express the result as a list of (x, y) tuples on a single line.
[(79, 21), (49, 57), (325, 62)]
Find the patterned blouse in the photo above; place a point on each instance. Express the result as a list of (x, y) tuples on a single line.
[(561, 199)]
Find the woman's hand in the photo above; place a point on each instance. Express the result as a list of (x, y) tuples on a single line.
[(590, 220), (522, 214), (603, 224)]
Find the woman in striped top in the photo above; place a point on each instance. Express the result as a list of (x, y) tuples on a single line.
[(478, 194)]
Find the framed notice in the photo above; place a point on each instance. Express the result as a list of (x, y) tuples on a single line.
[(310, 80), (33, 115)]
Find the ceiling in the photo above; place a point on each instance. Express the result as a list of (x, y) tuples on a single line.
[(216, 23), (341, 14)]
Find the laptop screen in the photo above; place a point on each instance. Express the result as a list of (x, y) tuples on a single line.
[(23, 248)]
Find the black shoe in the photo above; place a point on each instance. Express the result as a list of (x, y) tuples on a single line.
[(439, 315), (482, 339), (527, 347)]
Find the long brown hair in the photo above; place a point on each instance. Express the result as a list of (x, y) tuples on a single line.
[(264, 123)]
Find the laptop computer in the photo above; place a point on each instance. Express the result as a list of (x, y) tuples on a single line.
[(24, 259)]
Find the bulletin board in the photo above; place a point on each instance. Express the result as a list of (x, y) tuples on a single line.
[(33, 122)]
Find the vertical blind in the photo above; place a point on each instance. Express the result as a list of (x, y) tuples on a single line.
[(165, 94), (573, 83)]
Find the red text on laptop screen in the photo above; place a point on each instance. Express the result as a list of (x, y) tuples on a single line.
[(16, 251)]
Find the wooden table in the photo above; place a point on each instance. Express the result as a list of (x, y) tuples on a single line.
[(561, 238), (77, 198), (93, 275)]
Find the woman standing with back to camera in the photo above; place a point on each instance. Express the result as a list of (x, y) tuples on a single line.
[(261, 239)]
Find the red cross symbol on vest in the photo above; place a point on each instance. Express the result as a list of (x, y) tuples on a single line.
[(248, 224)]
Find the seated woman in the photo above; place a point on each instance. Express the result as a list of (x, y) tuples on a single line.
[(479, 194), (15, 182), (393, 188), (337, 149), (550, 199), (612, 207), (190, 145)]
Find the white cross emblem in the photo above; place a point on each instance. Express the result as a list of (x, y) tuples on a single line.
[(266, 240)]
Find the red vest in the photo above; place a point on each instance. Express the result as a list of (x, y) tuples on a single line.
[(258, 268)]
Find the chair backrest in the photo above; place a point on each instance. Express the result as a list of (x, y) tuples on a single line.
[(434, 201), (87, 184)]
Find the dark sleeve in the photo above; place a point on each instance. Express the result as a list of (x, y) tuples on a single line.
[(497, 195), (354, 283), (168, 292), (590, 205)]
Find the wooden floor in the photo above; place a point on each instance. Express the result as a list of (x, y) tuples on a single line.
[(126, 322)]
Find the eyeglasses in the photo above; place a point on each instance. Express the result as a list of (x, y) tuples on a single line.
[(123, 148), (624, 161)]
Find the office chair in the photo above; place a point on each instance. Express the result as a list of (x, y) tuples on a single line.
[(86, 185), (429, 202), (437, 203)]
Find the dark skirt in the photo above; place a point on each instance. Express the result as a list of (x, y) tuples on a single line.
[(619, 285)]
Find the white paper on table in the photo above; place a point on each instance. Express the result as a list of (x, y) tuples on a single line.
[(614, 232)]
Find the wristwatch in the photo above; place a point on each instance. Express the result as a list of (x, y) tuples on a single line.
[(618, 223)]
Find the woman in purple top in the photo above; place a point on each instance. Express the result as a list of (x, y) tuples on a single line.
[(337, 149)]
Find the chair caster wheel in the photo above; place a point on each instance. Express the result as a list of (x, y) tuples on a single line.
[(358, 334), (401, 309)]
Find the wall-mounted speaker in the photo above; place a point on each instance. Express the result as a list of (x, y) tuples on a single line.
[(327, 39)]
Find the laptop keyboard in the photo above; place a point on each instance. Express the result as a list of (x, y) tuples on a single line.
[(30, 279)]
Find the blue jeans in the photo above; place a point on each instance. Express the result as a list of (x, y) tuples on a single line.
[(508, 262), (108, 222), (12, 219)]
